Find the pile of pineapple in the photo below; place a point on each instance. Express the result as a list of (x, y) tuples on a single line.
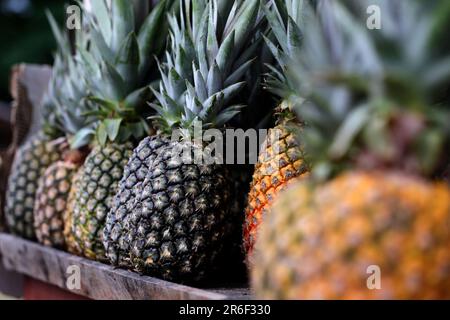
[(350, 177)]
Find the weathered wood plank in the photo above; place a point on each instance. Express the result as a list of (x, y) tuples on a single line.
[(98, 281), (38, 290), (28, 85), (11, 283)]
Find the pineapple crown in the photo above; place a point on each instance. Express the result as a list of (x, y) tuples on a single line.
[(119, 63), (285, 19), (369, 93), (67, 90), (212, 45)]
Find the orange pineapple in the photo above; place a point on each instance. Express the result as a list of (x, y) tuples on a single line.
[(371, 213), (279, 163), (281, 160)]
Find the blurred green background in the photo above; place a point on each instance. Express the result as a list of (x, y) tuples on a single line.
[(25, 35)]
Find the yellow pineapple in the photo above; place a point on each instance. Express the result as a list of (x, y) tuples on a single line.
[(281, 159), (371, 222)]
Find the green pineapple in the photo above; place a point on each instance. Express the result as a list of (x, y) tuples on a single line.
[(118, 69), (176, 225)]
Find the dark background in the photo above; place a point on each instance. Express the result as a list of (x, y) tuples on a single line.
[(25, 35)]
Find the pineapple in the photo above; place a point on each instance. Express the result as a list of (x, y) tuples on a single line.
[(36, 155), (69, 239), (31, 161), (118, 70), (374, 140), (281, 160), (130, 187), (51, 200), (176, 227), (68, 95)]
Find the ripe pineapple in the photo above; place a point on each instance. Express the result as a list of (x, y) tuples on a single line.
[(374, 142), (281, 160), (118, 71), (177, 226), (67, 94)]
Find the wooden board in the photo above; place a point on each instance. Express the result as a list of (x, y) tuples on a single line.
[(28, 85), (98, 281), (11, 283), (37, 290)]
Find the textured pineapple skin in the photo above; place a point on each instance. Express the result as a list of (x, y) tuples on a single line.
[(118, 224), (51, 203), (319, 242), (92, 197), (178, 223), (69, 239), (31, 161), (279, 164)]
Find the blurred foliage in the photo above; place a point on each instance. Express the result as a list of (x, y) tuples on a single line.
[(25, 35)]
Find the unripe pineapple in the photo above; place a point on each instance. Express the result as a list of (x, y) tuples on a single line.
[(118, 69), (371, 222), (181, 220), (281, 160)]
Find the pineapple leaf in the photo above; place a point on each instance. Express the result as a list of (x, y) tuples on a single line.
[(81, 138), (103, 50), (148, 34), (107, 105), (138, 97), (224, 56), (246, 23), (226, 116), (214, 80), (350, 128), (127, 61), (239, 73), (100, 8), (122, 22), (102, 134), (112, 128), (200, 85), (294, 39), (114, 84), (60, 39)]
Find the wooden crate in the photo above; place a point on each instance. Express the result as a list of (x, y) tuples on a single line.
[(98, 281)]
